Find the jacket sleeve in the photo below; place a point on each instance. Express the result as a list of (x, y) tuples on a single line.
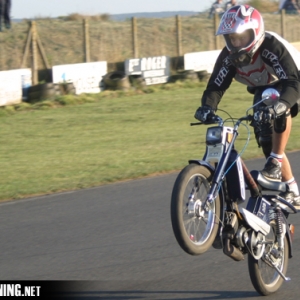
[(279, 56), (219, 81)]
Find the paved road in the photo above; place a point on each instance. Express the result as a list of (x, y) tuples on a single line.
[(118, 239)]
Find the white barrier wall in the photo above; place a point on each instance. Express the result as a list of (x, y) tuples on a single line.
[(86, 77), (154, 70), (201, 61), (205, 60), (12, 85)]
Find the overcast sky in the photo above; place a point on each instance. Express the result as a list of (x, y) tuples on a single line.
[(54, 8)]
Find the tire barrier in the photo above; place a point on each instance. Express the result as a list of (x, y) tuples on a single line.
[(116, 80), (190, 75), (68, 88), (137, 81), (184, 75), (195, 76), (46, 91), (203, 75)]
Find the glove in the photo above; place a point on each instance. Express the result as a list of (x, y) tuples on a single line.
[(279, 109), (204, 113), (263, 115)]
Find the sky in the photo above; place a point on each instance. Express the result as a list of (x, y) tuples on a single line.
[(54, 8)]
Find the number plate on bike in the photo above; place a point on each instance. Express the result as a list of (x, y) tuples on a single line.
[(214, 153), (263, 210)]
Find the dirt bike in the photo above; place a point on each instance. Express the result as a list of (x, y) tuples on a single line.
[(206, 206)]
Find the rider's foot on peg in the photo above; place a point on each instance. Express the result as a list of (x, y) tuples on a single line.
[(291, 198), (272, 169)]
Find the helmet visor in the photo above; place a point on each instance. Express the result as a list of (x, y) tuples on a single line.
[(237, 42)]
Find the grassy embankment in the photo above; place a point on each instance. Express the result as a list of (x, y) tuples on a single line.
[(64, 145)]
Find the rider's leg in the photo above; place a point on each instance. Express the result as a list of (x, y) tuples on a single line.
[(263, 132), (277, 164), (279, 142), (274, 143), (263, 137)]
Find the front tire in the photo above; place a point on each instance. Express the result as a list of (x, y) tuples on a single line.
[(196, 232), (265, 279)]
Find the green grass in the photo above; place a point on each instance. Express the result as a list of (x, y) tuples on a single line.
[(110, 137)]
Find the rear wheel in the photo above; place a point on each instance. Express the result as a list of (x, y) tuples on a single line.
[(265, 279), (194, 226)]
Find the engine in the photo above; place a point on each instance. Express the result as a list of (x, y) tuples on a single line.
[(239, 239)]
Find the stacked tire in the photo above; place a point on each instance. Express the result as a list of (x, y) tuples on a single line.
[(137, 81), (68, 88), (190, 75), (116, 80), (185, 75), (203, 76), (40, 92)]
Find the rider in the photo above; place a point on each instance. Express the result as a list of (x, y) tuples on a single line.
[(259, 60)]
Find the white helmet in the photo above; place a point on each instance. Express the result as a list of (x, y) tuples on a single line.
[(239, 19)]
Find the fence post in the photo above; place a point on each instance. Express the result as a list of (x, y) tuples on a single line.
[(134, 39), (42, 51), (27, 47), (87, 57), (216, 25), (283, 29), (178, 35), (34, 54)]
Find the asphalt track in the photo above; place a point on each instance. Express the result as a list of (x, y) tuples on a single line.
[(116, 242)]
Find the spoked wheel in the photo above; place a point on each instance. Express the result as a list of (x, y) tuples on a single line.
[(265, 278), (195, 227)]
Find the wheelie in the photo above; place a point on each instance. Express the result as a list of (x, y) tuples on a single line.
[(206, 207), (207, 195)]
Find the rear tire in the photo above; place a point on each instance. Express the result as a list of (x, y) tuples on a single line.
[(265, 278), (195, 233)]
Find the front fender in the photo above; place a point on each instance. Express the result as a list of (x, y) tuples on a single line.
[(202, 163)]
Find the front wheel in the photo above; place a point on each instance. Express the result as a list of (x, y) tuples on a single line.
[(194, 226), (265, 279)]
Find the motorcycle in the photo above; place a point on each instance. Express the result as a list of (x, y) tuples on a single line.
[(206, 206)]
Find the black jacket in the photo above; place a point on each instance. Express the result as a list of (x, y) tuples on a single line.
[(275, 61)]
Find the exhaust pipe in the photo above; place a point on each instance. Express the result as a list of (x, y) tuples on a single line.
[(232, 251)]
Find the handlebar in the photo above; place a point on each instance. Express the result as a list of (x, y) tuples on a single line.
[(218, 120), (269, 97)]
